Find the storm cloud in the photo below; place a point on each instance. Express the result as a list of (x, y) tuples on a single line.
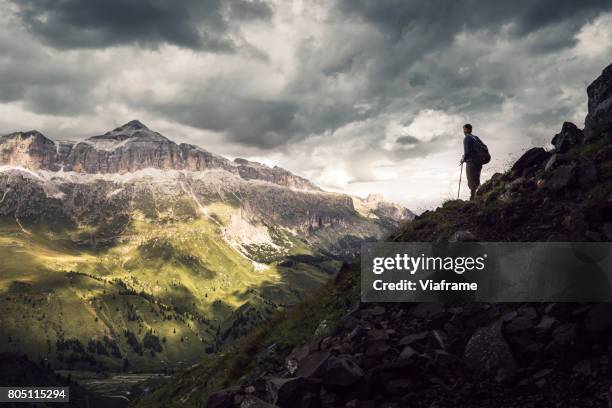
[(204, 25)]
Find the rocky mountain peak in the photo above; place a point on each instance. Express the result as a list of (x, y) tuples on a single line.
[(35, 134), (31, 133), (133, 124), (130, 128), (134, 130)]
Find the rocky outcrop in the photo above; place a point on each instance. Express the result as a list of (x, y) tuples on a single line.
[(599, 117), (569, 136), (130, 148), (528, 162)]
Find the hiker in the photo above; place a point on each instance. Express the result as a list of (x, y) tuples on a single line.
[(475, 154)]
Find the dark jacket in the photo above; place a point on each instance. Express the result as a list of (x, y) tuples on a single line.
[(468, 148)]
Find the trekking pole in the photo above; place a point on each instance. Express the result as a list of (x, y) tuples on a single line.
[(460, 174)]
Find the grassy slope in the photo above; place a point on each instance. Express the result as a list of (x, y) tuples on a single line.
[(178, 279), (287, 329)]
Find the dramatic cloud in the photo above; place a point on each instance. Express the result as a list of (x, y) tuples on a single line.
[(210, 24), (360, 96), (438, 22)]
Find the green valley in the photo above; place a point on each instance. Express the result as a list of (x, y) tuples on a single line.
[(164, 295)]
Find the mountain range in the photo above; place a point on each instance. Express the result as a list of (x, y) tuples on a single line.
[(127, 250)]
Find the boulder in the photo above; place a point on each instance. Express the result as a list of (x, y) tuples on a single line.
[(545, 325), (531, 158), (407, 353), (342, 372), (599, 116), (521, 323), (290, 392), (313, 365), (488, 353), (569, 136), (560, 179)]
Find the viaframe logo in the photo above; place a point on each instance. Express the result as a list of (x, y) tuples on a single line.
[(414, 264)]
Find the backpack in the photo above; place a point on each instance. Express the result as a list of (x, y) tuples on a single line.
[(480, 151)]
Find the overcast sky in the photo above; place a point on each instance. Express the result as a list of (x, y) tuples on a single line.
[(358, 96)]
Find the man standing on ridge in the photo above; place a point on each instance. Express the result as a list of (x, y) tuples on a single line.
[(475, 154)]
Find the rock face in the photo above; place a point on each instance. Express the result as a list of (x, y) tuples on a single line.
[(250, 170), (28, 149), (599, 117), (130, 148)]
